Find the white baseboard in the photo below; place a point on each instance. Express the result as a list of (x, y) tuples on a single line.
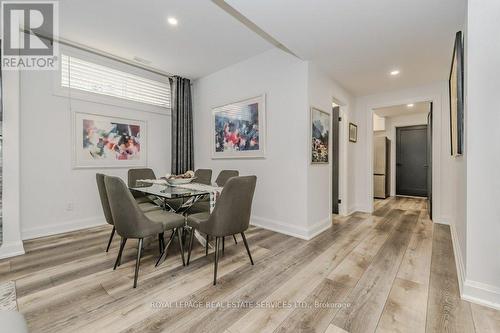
[(459, 262), (354, 209), (472, 291), (442, 220), (59, 228), (279, 226), (481, 293), (291, 230), (12, 249), (319, 227)]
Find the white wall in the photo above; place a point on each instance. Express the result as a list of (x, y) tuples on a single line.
[(443, 164), (378, 123), (482, 282), (391, 124), (322, 90), (280, 201), (49, 185), (11, 244)]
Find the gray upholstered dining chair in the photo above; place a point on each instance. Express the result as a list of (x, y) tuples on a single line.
[(131, 222), (133, 176), (146, 173), (204, 205), (224, 175), (231, 215), (144, 206), (203, 176)]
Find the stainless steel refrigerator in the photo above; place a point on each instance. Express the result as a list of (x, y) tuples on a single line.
[(381, 167)]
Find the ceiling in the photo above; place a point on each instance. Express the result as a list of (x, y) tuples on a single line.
[(356, 42), (206, 39), (399, 110), (359, 42)]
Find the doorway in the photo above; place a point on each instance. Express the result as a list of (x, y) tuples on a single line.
[(411, 161), (335, 158)]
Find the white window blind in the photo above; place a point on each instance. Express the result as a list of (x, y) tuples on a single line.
[(87, 76)]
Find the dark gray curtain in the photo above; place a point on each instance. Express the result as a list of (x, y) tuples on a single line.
[(182, 126)]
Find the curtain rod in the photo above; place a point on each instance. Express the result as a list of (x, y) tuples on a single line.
[(99, 53)]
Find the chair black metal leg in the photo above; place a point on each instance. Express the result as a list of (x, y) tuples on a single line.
[(161, 242), (165, 250), (138, 261), (179, 233), (235, 241), (223, 241), (206, 247), (191, 237), (246, 245), (110, 238), (119, 256), (216, 259)]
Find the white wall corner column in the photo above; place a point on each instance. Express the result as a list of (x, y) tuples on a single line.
[(12, 244), (482, 280)]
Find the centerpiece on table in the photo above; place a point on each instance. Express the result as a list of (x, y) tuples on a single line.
[(185, 178)]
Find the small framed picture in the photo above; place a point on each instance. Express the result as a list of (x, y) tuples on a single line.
[(353, 132), (320, 136)]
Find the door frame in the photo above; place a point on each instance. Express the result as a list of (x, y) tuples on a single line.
[(343, 169), (397, 150), (339, 122), (438, 110)]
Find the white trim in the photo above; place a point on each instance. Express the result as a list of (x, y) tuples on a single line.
[(11, 219), (354, 209), (318, 227), (292, 230), (278, 226), (442, 220), (472, 291), (59, 228), (481, 293), (459, 262), (12, 249)]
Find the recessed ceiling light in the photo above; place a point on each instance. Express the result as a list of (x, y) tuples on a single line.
[(172, 21), (410, 105), (394, 72)]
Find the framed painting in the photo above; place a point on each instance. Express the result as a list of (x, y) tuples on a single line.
[(108, 142), (239, 129), (353, 132), (456, 91), (320, 136)]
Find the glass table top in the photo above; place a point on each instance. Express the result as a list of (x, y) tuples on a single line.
[(166, 191)]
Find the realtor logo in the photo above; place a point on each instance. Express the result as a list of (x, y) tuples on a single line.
[(28, 29)]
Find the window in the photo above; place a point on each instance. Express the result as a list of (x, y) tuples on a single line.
[(87, 76)]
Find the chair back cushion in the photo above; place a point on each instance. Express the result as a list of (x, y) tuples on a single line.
[(130, 221), (224, 175), (231, 214), (203, 176), (99, 177), (136, 174)]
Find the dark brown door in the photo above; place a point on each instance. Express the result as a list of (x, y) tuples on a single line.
[(411, 160), (335, 159)]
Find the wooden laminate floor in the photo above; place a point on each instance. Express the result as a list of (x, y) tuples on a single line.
[(391, 271)]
